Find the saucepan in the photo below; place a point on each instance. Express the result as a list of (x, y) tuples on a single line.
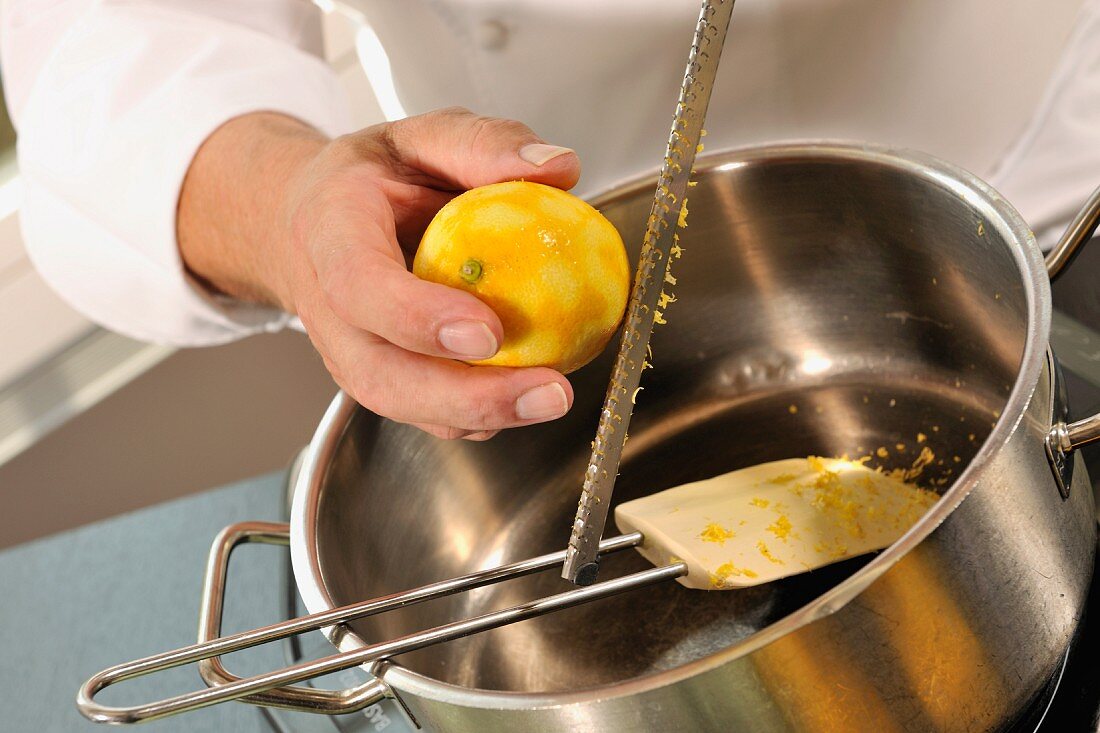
[(831, 299)]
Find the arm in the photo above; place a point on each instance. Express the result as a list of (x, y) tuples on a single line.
[(112, 100)]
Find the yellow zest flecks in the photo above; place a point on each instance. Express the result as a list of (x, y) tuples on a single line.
[(716, 533), (781, 527), (914, 472), (783, 478), (682, 222), (831, 549), (835, 500), (921, 437), (869, 486), (793, 409), (758, 502), (882, 452), (767, 553), (728, 570)]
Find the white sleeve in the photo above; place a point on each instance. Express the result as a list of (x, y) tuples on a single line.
[(1050, 171), (111, 101)]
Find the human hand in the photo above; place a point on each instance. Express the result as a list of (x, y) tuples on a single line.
[(273, 212)]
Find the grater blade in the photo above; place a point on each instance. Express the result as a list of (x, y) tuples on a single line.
[(582, 555)]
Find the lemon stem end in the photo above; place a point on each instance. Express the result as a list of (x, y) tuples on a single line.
[(470, 271)]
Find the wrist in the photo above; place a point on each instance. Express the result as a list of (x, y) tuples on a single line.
[(233, 219)]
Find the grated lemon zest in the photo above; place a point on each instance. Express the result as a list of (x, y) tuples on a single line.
[(716, 533)]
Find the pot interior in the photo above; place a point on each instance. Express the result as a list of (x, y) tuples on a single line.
[(830, 300)]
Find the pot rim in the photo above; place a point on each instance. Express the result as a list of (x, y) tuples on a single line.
[(999, 213)]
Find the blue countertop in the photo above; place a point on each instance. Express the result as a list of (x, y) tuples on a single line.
[(75, 603)]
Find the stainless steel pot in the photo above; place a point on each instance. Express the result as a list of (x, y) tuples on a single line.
[(880, 293), (831, 299)]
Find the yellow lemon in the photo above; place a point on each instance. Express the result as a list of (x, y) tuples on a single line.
[(549, 265)]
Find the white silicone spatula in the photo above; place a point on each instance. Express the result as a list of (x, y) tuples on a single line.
[(776, 519)]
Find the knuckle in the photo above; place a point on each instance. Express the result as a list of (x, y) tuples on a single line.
[(455, 110), (419, 321), (489, 130), (356, 151), (414, 330), (403, 134), (490, 406)]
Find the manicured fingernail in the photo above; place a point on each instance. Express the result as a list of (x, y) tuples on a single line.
[(468, 339), (540, 153), (542, 403)]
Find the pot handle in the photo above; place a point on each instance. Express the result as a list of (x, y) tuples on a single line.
[(1062, 440), (1065, 438), (268, 689), (1077, 233), (274, 684), (214, 673)]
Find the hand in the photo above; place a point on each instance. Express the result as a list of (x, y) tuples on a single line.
[(273, 212)]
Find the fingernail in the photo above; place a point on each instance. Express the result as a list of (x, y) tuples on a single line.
[(540, 153), (542, 403), (468, 339)]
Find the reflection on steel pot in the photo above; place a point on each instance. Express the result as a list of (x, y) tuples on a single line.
[(895, 303)]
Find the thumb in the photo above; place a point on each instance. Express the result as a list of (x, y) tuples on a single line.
[(464, 150)]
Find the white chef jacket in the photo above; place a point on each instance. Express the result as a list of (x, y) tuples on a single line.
[(113, 97)]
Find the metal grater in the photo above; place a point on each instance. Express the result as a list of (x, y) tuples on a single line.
[(582, 557)]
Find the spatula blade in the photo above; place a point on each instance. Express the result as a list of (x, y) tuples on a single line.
[(766, 522)]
